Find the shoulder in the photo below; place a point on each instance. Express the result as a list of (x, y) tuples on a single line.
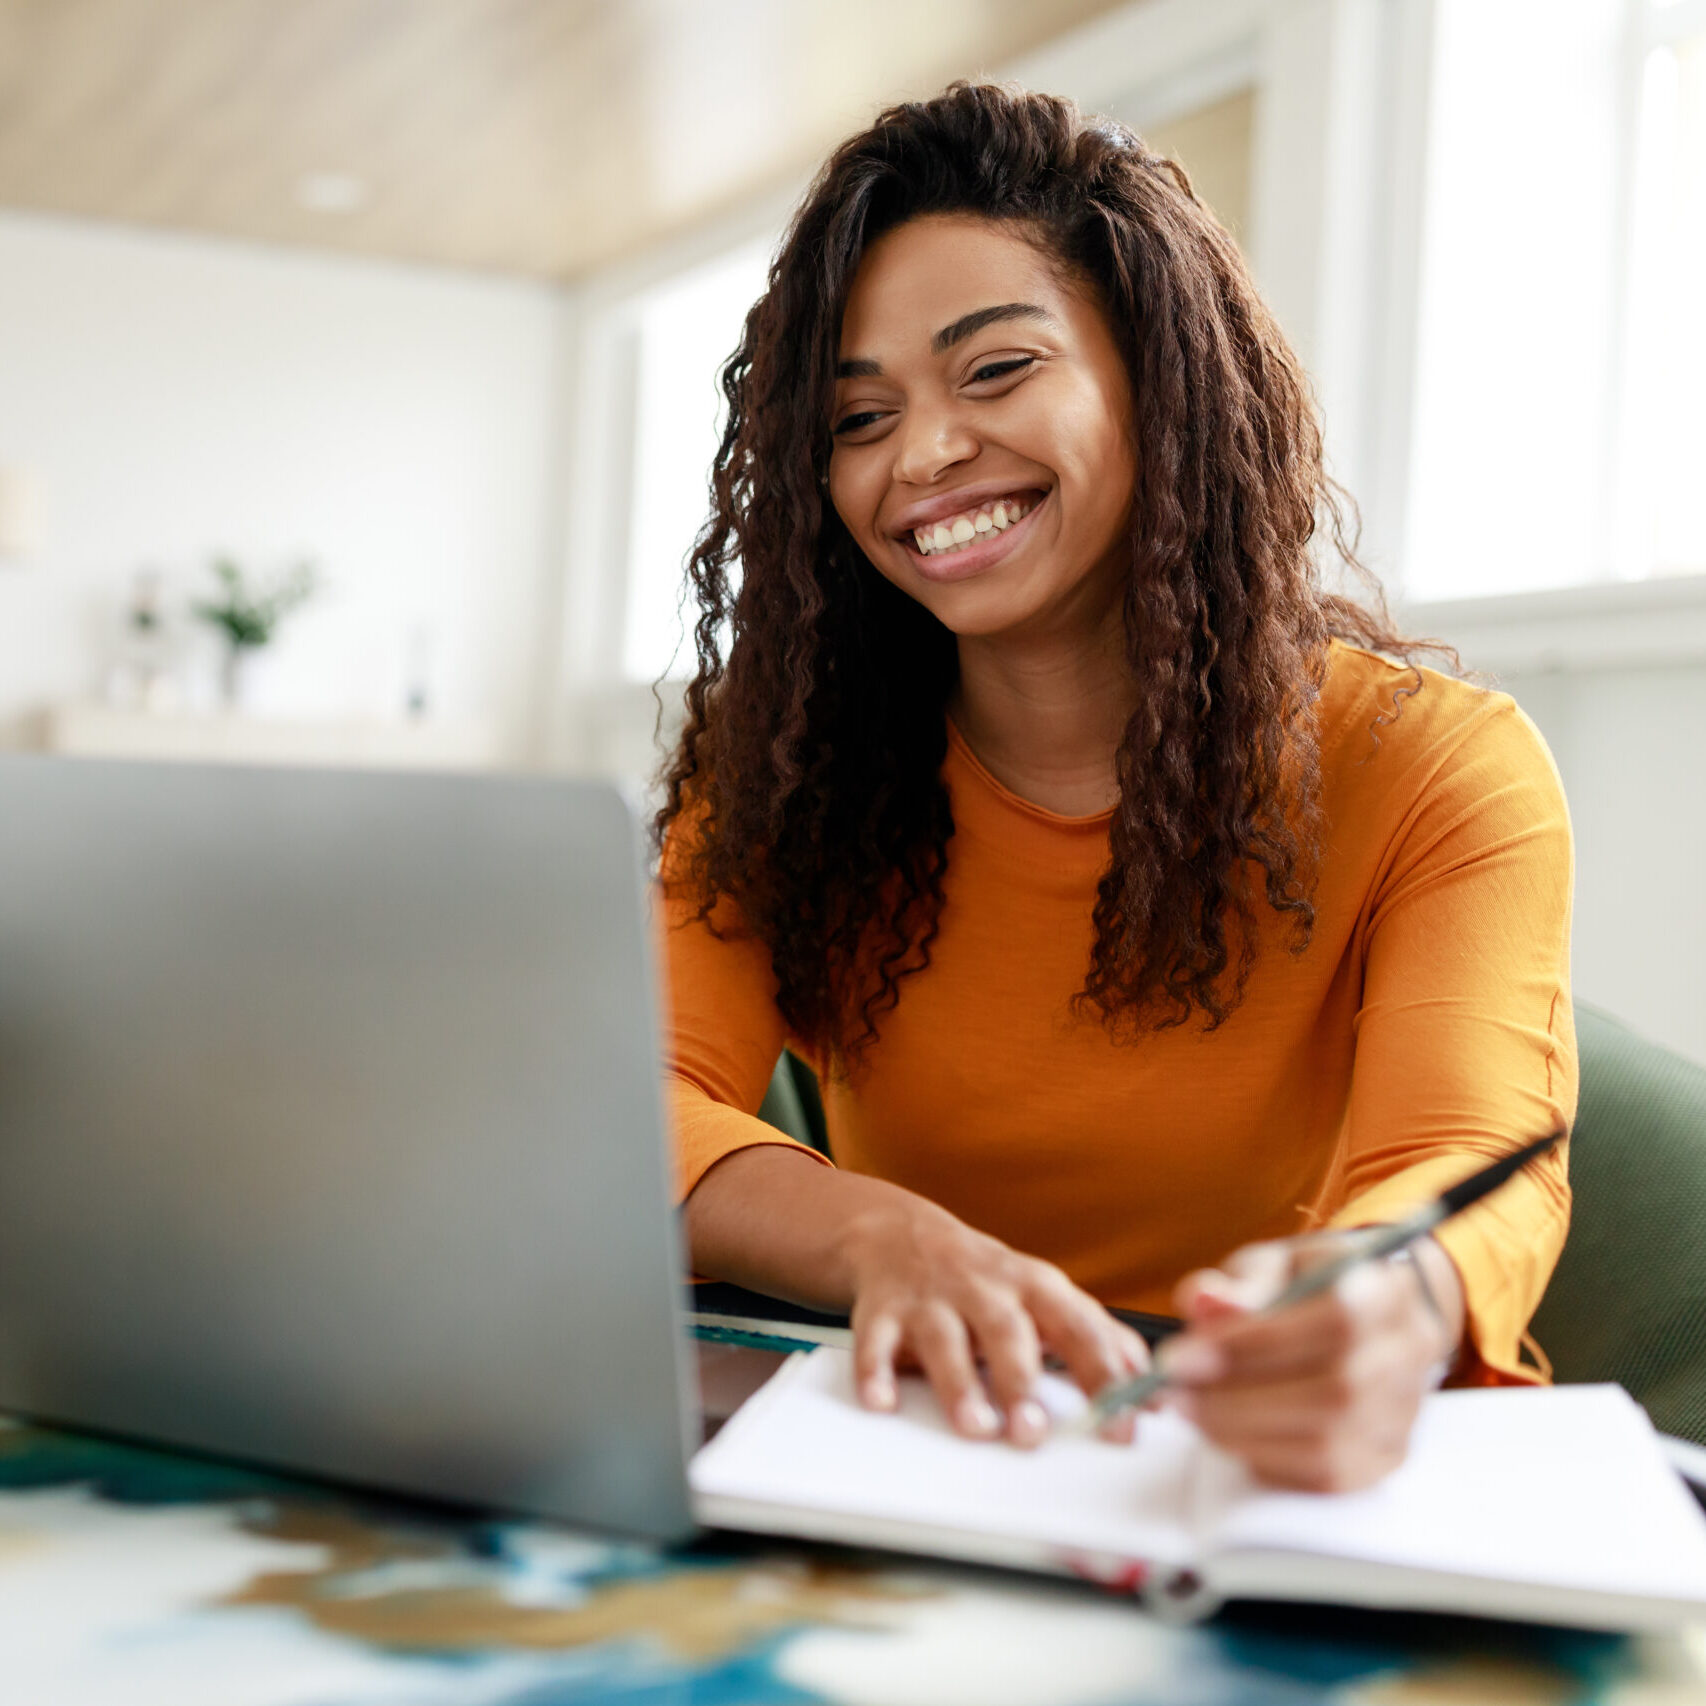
[(693, 883), (685, 839), (1417, 716), (1396, 735)]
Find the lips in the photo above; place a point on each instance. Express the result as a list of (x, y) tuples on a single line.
[(963, 500), (955, 532), (965, 558)]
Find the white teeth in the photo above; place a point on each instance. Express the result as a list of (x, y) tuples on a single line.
[(935, 537)]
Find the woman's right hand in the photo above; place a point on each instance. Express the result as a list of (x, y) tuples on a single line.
[(925, 1291), (930, 1292)]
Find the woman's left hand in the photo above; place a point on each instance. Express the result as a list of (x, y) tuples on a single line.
[(1321, 1395)]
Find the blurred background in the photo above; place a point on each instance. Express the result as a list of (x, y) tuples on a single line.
[(357, 356)]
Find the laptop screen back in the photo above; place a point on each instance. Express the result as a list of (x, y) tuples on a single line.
[(330, 1130)]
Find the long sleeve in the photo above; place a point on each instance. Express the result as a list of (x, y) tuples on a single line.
[(723, 1041), (1465, 1043)]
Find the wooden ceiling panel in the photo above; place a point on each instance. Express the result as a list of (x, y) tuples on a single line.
[(540, 137)]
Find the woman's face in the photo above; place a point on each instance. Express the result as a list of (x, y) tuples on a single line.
[(982, 453)]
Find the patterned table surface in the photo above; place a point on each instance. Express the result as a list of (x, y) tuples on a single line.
[(133, 1577)]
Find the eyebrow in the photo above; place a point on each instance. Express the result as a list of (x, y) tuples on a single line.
[(966, 326)]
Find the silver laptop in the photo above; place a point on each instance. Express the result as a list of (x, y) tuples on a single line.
[(330, 1131)]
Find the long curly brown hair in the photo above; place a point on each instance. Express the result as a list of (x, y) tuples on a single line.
[(807, 780)]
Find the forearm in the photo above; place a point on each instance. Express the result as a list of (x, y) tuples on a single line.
[(774, 1220)]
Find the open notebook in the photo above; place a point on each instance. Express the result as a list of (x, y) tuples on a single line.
[(1549, 1505)]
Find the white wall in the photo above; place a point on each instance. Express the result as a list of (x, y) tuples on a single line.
[(1629, 746), (1615, 677), (176, 396)]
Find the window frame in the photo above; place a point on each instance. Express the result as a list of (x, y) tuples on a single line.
[(1650, 26), (1611, 619)]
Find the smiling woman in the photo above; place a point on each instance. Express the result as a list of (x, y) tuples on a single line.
[(1045, 383), (1137, 899)]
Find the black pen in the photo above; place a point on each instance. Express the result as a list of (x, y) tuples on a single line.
[(1372, 1244)]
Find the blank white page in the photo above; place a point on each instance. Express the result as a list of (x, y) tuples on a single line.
[(804, 1442), (1562, 1486)]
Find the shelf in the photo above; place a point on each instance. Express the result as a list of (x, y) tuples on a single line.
[(89, 729)]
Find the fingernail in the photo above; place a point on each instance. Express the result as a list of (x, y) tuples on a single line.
[(1027, 1422), (1119, 1430), (1192, 1360), (877, 1393), (975, 1415)]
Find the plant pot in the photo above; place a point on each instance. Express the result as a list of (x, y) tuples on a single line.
[(234, 677)]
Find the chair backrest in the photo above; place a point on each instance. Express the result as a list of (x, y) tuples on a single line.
[(792, 1103), (1628, 1300)]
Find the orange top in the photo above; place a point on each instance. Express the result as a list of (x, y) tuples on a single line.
[(1426, 1029)]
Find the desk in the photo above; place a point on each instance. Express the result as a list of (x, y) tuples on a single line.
[(130, 1577)]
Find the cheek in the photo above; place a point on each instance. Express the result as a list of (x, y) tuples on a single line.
[(844, 495), (856, 487), (1099, 429), (1103, 461)]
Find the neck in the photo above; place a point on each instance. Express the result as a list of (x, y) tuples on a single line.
[(1045, 715)]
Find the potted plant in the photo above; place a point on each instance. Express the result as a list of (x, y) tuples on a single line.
[(248, 616)]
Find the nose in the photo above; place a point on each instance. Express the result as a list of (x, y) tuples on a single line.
[(933, 437)]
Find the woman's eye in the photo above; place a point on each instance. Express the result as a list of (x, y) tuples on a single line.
[(856, 423), (1001, 369)]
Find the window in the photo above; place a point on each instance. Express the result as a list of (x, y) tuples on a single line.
[(1560, 343), (684, 329), (1661, 500)]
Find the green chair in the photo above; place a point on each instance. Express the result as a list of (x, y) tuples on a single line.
[(792, 1103), (1628, 1300)]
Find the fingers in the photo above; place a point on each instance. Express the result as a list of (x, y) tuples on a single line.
[(1321, 1394), (1006, 1330), (1096, 1348), (1289, 1409), (1133, 1355), (942, 1344), (1248, 1280), (1006, 1337), (1312, 1464), (1303, 1336), (1330, 1434), (935, 1338), (876, 1342), (1247, 1348)]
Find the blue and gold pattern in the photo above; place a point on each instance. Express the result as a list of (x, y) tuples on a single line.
[(130, 1575)]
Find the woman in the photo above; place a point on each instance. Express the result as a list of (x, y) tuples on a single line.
[(1133, 905)]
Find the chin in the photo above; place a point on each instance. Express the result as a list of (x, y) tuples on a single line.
[(972, 612)]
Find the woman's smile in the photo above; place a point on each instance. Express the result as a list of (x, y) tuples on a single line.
[(974, 537)]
